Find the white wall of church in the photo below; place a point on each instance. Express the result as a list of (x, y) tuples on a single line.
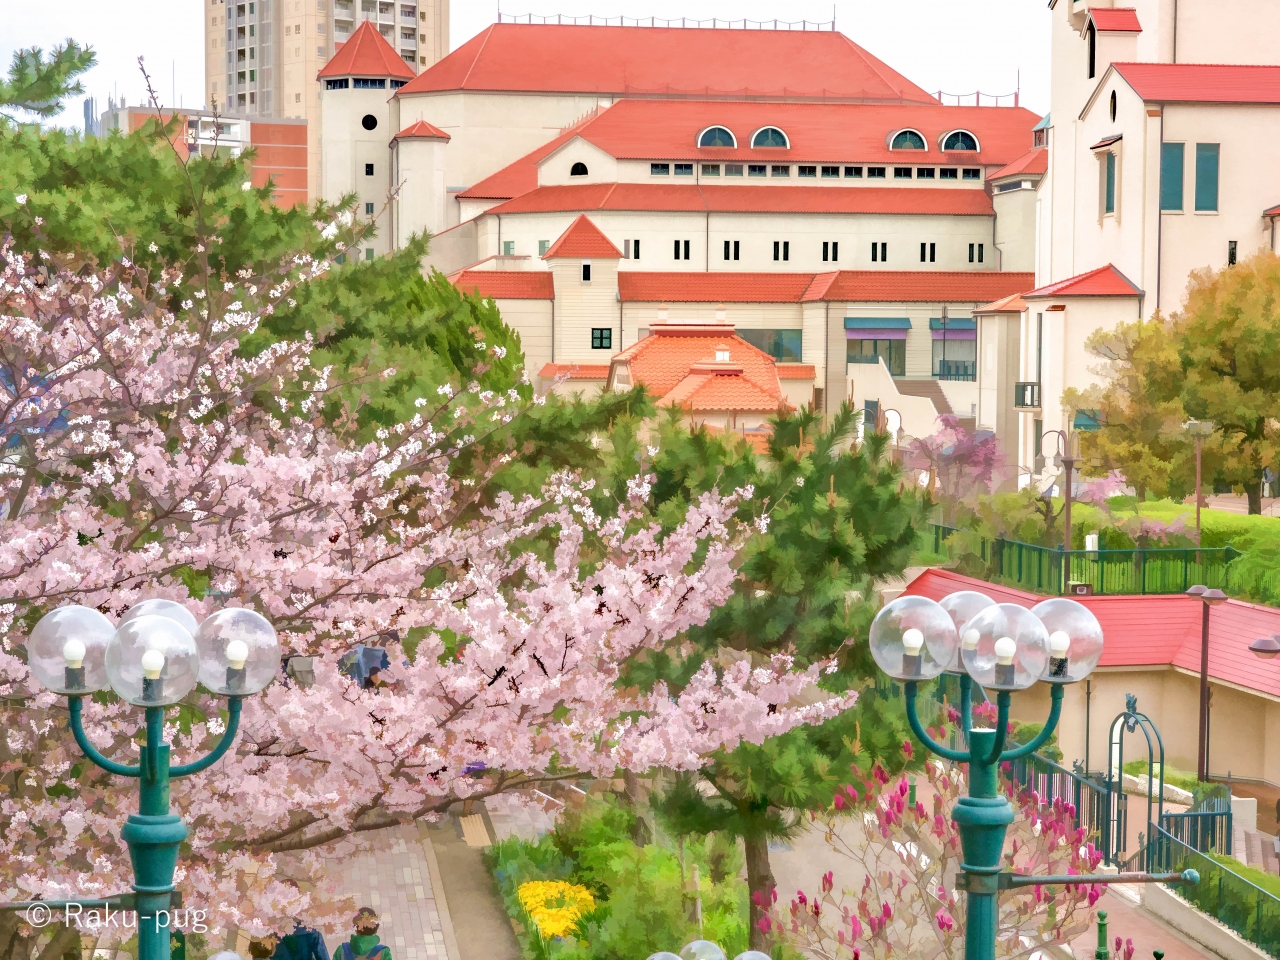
[(350, 150)]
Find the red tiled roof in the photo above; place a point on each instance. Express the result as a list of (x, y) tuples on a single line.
[(508, 284), (1152, 630), (1104, 282), (575, 371), (687, 197), (366, 54), (422, 130), (1033, 163), (1010, 304), (519, 177), (892, 286), (583, 240), (720, 388), (663, 359), (796, 371), (1107, 141), (634, 61), (1115, 19), (1202, 82), (1272, 211)]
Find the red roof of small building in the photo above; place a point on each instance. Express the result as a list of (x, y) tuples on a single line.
[(1115, 19), (892, 286), (1151, 630), (687, 197), (1272, 211), (583, 240), (667, 356), (712, 387), (796, 371), (575, 371), (637, 61), (1202, 82), (1010, 304), (422, 130), (1033, 163), (1104, 282), (366, 54), (508, 284)]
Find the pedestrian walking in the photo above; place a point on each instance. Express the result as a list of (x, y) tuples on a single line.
[(364, 943)]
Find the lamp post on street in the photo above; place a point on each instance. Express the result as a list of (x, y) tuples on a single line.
[(152, 659), (1199, 429), (1209, 598), (1003, 647)]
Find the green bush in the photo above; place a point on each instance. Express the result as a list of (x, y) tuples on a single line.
[(1173, 777), (1026, 732)]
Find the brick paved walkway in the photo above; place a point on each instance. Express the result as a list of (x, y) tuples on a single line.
[(1126, 921)]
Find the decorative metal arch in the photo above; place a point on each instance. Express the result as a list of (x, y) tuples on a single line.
[(1130, 721)]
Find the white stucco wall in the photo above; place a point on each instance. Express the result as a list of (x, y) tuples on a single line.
[(348, 147)]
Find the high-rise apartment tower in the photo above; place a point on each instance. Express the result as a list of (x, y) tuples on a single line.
[(262, 56)]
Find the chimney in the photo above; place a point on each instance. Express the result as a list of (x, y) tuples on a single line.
[(720, 314), (662, 313)]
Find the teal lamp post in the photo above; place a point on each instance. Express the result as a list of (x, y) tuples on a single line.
[(1001, 647), (153, 659)]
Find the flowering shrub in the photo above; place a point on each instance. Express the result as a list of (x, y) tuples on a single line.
[(555, 906), (899, 896)]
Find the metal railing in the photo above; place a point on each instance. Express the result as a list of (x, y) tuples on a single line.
[(1138, 570), (1089, 801), (1205, 831), (955, 369), (1026, 395)]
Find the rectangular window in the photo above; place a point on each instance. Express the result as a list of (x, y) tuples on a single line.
[(831, 171), (780, 170), (365, 83), (733, 169), (783, 345), (368, 253), (975, 252), (1172, 171), (804, 171), (336, 84), (853, 171), (545, 245), (1037, 441), (368, 209), (933, 252), (681, 249), (973, 173), (635, 249), (659, 169), (711, 169), (902, 173), (782, 249), (948, 173), (684, 169), (586, 271), (955, 359), (924, 252), (253, 75), (1207, 158), (830, 251), (924, 173), (1109, 183), (892, 352), (875, 173), (732, 249), (602, 338), (368, 169), (756, 170), (928, 252), (1232, 247), (1039, 345), (879, 252)]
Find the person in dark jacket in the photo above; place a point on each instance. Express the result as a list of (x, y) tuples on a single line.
[(303, 943), (364, 943)]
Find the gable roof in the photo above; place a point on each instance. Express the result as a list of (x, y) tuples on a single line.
[(575, 371), (583, 240), (891, 286), (712, 387), (508, 284), (631, 61), (1115, 19), (668, 355), (1010, 304), (1151, 630), (366, 54), (1033, 163), (1104, 282), (1202, 82), (422, 130)]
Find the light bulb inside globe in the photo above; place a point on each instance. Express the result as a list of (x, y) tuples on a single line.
[(1005, 649), (237, 654), (152, 664), (1059, 644), (73, 652), (970, 640), (912, 644), (912, 641)]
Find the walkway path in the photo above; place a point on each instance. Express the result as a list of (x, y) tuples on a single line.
[(1126, 921)]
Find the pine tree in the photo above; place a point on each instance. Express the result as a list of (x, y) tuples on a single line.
[(38, 85)]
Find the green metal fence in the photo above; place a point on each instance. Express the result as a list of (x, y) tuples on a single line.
[(1051, 570), (1239, 904)]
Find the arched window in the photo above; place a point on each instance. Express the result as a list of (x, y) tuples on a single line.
[(960, 140), (907, 140), (770, 137), (717, 137), (1113, 104), (1092, 39), (579, 169)]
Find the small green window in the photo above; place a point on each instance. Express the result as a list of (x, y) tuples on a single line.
[(1109, 204), (601, 338), (1207, 158), (1172, 160), (543, 247)]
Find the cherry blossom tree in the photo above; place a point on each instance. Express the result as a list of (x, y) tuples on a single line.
[(147, 453)]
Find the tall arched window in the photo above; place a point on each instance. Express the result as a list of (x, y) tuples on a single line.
[(1092, 38), (960, 140), (769, 137), (907, 140), (579, 169), (717, 137)]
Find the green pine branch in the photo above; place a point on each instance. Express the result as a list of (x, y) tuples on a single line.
[(38, 85)]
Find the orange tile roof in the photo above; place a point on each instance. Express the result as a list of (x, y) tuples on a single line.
[(1115, 19), (891, 286), (575, 371), (632, 61), (1272, 211), (720, 388), (422, 130), (519, 177), (1010, 304), (1035, 163), (583, 240), (692, 197), (796, 371), (1202, 82), (664, 358), (916, 286), (1104, 282), (508, 284), (366, 54)]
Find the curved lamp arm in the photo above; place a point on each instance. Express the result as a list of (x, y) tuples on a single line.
[(956, 756), (1002, 725), (1045, 733), (228, 738), (77, 730)]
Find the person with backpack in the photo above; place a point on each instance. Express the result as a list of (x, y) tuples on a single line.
[(364, 943)]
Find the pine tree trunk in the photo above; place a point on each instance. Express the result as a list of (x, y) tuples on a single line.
[(1253, 490), (760, 884)]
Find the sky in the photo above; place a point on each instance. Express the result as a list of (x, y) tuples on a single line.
[(956, 46)]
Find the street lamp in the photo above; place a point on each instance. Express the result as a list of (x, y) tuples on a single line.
[(1209, 598), (1266, 648), (1199, 429), (1005, 647), (152, 659), (1066, 458)]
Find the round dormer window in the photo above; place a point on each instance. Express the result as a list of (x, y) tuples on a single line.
[(369, 122)]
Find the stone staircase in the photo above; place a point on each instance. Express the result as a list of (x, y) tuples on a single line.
[(527, 816), (1255, 849)]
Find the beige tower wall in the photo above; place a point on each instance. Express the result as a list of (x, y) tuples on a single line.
[(419, 179), (348, 147), (583, 305)]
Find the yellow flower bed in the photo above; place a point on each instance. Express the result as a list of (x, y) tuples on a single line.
[(554, 906)]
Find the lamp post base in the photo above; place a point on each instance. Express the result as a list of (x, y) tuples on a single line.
[(983, 823), (153, 848)]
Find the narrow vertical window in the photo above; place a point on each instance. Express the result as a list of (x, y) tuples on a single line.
[(826, 250), (1231, 253), (933, 253), (635, 249), (626, 249), (1092, 39), (586, 272), (777, 250), (1109, 176), (972, 248), (875, 252), (686, 249), (924, 250), (1207, 157), (884, 253), (726, 249), (980, 252), (1172, 164), (735, 249), (1039, 345), (786, 249), (677, 249), (835, 250)]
